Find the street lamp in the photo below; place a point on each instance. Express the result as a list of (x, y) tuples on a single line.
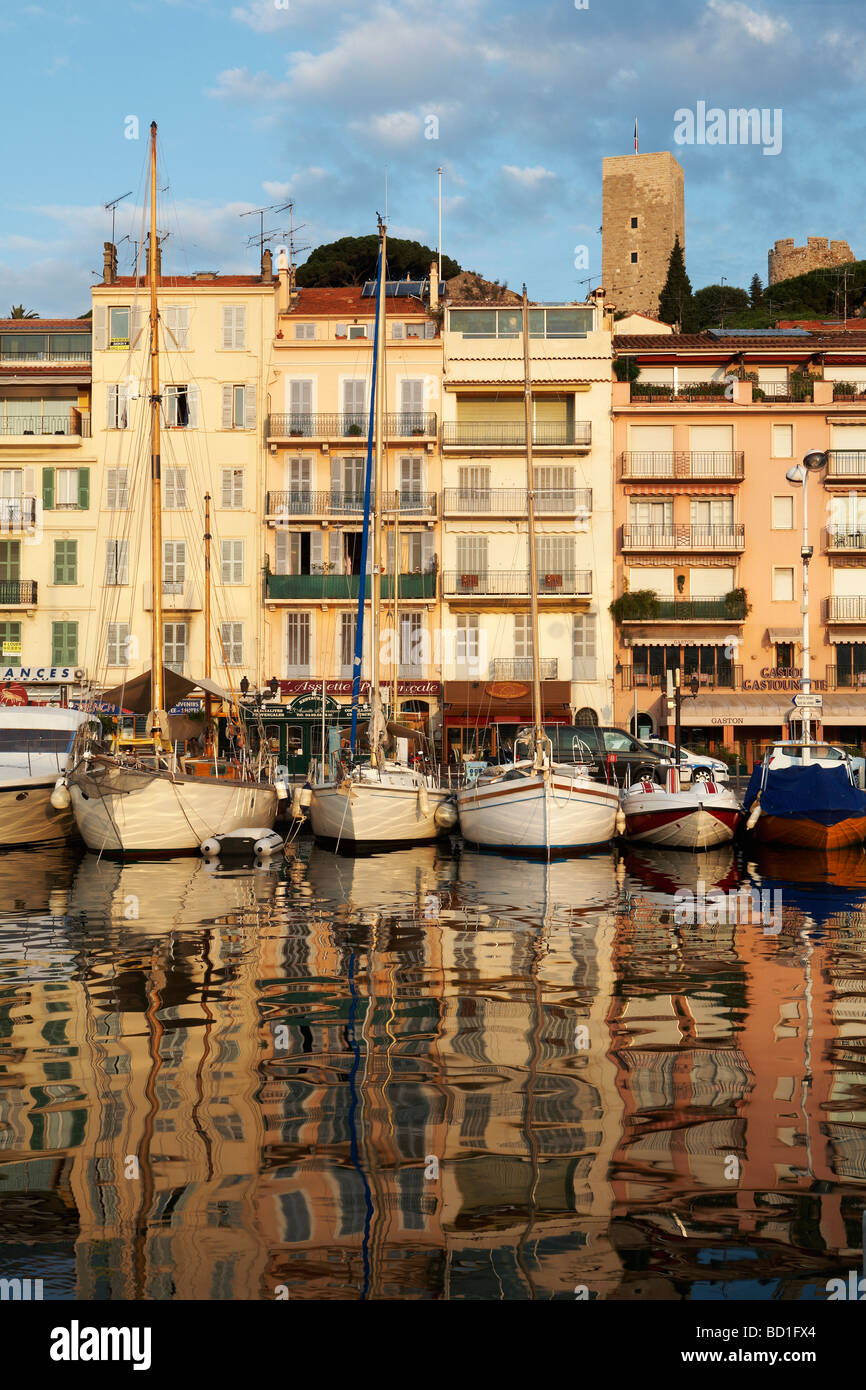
[(813, 462)]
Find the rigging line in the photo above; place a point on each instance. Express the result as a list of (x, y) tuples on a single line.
[(354, 1150)]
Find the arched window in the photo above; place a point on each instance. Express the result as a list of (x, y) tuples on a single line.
[(586, 718)]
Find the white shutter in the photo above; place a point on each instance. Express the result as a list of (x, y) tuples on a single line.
[(389, 553), (341, 330), (429, 329), (428, 551), (192, 395), (137, 318), (249, 407), (411, 397), (228, 326), (234, 326), (316, 552), (396, 330), (111, 407), (281, 552), (300, 396), (100, 328), (336, 478), (227, 408), (177, 326), (232, 487), (335, 550), (29, 482)]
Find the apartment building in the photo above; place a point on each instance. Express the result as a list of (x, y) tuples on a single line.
[(318, 392), (709, 530), (486, 642), (47, 509), (216, 332)]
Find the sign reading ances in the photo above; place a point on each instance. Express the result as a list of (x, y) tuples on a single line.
[(36, 675)]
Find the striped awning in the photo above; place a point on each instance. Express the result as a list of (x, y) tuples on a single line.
[(679, 638), (857, 634), (785, 634)]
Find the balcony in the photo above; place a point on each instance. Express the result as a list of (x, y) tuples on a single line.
[(519, 668), (849, 390), (318, 587), (844, 538), (515, 584), (17, 515), (730, 609), (674, 465), (18, 593), (177, 597), (73, 424), (511, 434), (731, 538), (47, 359), (502, 501), (846, 608), (353, 425), (846, 465), (631, 679), (333, 502), (716, 393)]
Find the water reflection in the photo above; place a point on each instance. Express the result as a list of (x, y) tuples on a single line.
[(426, 1075)]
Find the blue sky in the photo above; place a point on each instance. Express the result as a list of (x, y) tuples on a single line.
[(262, 100)]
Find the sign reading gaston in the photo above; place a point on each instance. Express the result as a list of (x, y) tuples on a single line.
[(780, 678)]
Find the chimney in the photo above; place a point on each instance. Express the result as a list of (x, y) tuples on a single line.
[(158, 261), (434, 286), (267, 267), (284, 279), (109, 263)]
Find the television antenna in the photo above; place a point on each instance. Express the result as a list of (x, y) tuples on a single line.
[(112, 208), (262, 237)]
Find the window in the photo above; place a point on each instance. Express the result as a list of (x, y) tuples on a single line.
[(239, 407), (634, 222), (584, 647), (411, 644), (421, 329), (355, 406), (301, 406), (181, 407), (10, 560), (506, 323), (634, 257), (232, 562), (173, 566), (298, 644), (117, 407), (116, 562), (174, 646), (174, 493), (10, 643), (232, 641), (118, 326), (523, 635), (555, 561), (783, 585), (176, 321), (851, 664), (307, 331), (233, 487), (784, 655), (783, 513), (357, 330), (586, 718), (783, 441), (66, 488), (117, 644), (412, 407), (467, 654), (411, 484), (234, 326), (117, 489), (64, 644), (348, 631), (66, 562)]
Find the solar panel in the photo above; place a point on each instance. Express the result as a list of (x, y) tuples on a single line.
[(396, 289), (759, 332)]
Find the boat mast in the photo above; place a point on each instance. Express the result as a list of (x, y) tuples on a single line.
[(376, 730), (395, 663), (207, 651), (156, 677), (533, 562)]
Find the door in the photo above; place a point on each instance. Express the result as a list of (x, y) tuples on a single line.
[(354, 407), (300, 486), (411, 407), (411, 484), (301, 407)]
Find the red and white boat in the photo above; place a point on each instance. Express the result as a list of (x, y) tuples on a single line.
[(695, 817)]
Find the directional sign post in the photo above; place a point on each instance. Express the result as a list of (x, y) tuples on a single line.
[(812, 700)]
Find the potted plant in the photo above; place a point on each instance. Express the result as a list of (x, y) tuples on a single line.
[(635, 604)]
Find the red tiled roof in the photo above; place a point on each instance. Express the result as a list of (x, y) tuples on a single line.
[(820, 326), (347, 299), (670, 342), (45, 325)]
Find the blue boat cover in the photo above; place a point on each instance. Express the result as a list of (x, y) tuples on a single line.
[(822, 794)]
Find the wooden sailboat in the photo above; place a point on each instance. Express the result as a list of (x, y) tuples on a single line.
[(384, 801), (534, 804), (143, 802)]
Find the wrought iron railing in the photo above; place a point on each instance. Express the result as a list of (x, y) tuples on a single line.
[(15, 593), (515, 583), (335, 502), (661, 464), (512, 433), (349, 425), (675, 537), (519, 668), (506, 501)]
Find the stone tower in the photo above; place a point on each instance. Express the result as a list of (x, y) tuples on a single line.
[(642, 214), (786, 259)]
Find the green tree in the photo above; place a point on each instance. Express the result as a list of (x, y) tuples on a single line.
[(714, 304), (676, 302), (352, 260), (756, 290), (19, 312)]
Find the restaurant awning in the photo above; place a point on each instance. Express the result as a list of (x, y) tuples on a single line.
[(680, 638), (784, 634), (844, 707), (857, 634), (493, 701), (736, 709)]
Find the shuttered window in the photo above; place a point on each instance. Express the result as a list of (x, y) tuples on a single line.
[(238, 407), (174, 489), (117, 489), (232, 562), (64, 644), (117, 407), (174, 646), (117, 644), (176, 319), (234, 326), (232, 640), (298, 644), (233, 487), (66, 562), (584, 647), (116, 562), (173, 566)]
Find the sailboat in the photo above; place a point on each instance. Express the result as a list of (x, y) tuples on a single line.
[(384, 801), (149, 801), (534, 804)]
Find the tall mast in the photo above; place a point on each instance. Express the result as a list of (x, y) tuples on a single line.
[(533, 563), (207, 649), (156, 681), (378, 465), (395, 664)]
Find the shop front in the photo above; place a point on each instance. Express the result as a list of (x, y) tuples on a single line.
[(40, 685), (481, 718)]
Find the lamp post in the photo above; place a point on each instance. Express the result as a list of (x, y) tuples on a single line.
[(813, 462)]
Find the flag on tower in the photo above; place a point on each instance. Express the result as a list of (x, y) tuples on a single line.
[(635, 135)]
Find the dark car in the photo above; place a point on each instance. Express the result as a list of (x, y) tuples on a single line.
[(611, 750)]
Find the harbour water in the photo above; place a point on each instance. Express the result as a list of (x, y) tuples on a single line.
[(432, 1074)]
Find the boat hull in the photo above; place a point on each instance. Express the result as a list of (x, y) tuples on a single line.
[(535, 817), (370, 813), (27, 816), (802, 833), (685, 820), (130, 811)]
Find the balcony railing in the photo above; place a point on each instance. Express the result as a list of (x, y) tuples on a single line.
[(714, 392), (675, 464), (846, 463), (666, 610), (73, 422), (346, 586), (730, 537), (350, 425), (334, 502), (18, 593), (848, 390), (504, 501), (845, 538), (28, 359), (515, 584), (630, 679), (505, 434), (17, 513), (519, 668), (846, 608)]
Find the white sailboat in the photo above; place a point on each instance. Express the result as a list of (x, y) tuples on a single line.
[(385, 801), (138, 802), (35, 742), (534, 804)]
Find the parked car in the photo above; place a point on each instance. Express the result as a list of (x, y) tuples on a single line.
[(689, 761), (610, 749)]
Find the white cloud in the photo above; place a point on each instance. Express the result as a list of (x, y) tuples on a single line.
[(758, 25), (239, 84), (277, 190), (391, 128), (529, 177)]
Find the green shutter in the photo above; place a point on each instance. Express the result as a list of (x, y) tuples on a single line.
[(66, 562), (10, 560), (64, 644), (83, 489), (48, 488)]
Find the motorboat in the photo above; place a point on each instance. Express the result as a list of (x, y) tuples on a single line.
[(697, 816)]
